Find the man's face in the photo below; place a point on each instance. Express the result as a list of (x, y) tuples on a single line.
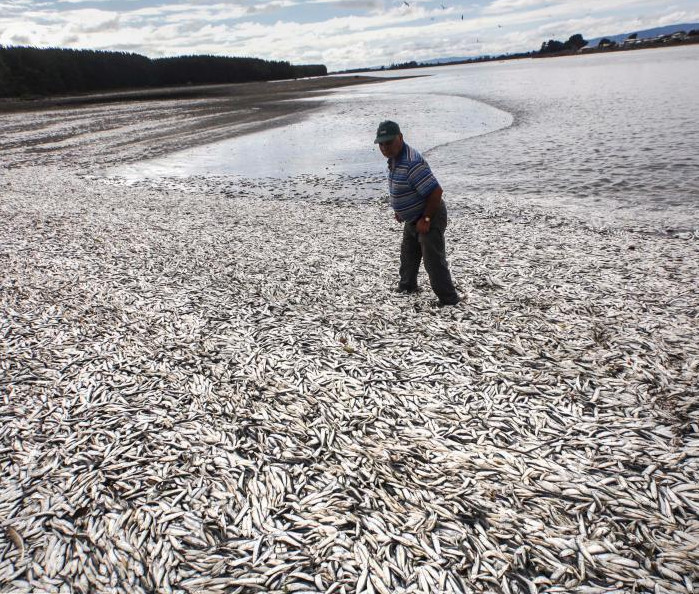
[(391, 148)]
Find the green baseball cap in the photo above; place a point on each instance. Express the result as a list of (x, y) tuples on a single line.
[(387, 130)]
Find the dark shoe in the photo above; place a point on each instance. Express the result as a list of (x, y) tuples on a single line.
[(441, 303), (407, 290)]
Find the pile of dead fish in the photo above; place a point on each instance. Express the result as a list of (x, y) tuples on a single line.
[(210, 387)]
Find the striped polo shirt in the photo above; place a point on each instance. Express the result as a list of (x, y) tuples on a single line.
[(410, 182)]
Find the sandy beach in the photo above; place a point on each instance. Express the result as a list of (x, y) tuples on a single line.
[(209, 385)]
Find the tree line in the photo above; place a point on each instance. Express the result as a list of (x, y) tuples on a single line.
[(548, 48), (414, 64), (31, 71), (553, 46), (693, 35)]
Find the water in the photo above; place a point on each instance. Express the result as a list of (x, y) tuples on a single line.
[(616, 130), (337, 138), (615, 133)]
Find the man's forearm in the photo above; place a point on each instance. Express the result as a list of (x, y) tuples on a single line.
[(433, 202)]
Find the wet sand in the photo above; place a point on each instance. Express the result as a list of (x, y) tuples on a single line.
[(121, 127), (209, 383)]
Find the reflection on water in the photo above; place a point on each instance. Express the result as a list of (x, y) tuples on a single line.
[(335, 139), (607, 130)]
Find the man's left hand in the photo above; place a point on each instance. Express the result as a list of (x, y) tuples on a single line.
[(423, 226)]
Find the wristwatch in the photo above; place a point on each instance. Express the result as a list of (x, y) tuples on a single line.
[(427, 219)]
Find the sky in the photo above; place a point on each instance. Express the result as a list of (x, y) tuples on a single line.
[(341, 34)]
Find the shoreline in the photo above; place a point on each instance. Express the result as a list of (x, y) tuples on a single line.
[(210, 383), (116, 128), (251, 92)]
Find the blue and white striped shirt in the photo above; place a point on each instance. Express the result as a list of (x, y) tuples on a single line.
[(410, 182)]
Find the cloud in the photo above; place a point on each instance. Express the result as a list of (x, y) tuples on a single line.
[(14, 5), (504, 6), (93, 21), (190, 12), (339, 33), (19, 40), (352, 4), (679, 17)]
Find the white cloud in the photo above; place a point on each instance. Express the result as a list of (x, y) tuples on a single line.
[(503, 6), (193, 12), (374, 32), (680, 17), (91, 20)]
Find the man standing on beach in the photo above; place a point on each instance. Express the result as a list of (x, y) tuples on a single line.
[(416, 198)]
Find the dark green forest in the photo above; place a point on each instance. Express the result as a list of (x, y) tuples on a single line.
[(30, 71)]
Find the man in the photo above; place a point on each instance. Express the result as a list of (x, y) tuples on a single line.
[(416, 198)]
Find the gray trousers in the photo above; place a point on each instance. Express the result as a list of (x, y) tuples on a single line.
[(430, 249)]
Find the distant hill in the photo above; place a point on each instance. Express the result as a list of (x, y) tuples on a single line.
[(452, 59), (437, 61), (646, 33)]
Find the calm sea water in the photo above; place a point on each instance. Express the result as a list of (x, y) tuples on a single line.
[(608, 133)]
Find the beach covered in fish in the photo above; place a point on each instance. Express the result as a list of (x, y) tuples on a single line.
[(208, 384)]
